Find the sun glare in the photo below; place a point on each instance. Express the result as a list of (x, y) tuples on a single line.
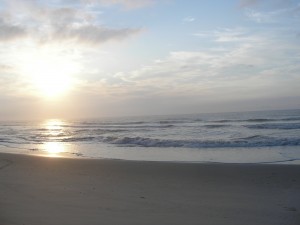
[(51, 79), (50, 75)]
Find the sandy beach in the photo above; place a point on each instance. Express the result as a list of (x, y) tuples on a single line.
[(61, 191)]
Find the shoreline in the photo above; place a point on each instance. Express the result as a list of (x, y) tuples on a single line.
[(43, 190), (263, 156)]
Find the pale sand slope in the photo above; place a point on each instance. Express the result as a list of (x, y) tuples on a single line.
[(42, 191)]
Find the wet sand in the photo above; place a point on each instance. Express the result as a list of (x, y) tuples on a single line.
[(60, 191)]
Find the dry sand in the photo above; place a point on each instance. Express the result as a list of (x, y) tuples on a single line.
[(52, 191)]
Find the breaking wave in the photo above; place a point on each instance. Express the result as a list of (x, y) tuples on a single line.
[(252, 141)]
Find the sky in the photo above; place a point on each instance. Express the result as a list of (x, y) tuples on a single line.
[(95, 58)]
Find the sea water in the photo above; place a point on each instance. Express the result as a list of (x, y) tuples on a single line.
[(241, 137)]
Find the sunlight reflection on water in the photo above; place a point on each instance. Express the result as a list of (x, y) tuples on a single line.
[(54, 128), (54, 148)]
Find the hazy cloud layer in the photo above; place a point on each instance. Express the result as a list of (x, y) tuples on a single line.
[(198, 67), (254, 66)]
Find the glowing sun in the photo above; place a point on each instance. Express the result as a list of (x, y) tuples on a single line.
[(51, 79), (50, 76)]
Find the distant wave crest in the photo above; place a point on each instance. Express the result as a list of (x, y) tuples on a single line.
[(258, 120), (280, 126)]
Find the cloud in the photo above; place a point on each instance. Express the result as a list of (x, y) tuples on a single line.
[(276, 16), (92, 34), (267, 11), (10, 32), (265, 3), (44, 23), (5, 68), (189, 19), (265, 67), (234, 35), (248, 3), (10, 82), (260, 17), (127, 4)]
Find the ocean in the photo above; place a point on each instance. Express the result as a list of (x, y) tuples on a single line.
[(240, 137)]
